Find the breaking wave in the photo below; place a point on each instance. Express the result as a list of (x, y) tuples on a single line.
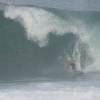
[(35, 41), (54, 35), (39, 23)]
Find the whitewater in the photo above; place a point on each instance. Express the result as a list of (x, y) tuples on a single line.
[(50, 91), (34, 42)]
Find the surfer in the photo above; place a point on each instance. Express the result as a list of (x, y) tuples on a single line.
[(69, 63)]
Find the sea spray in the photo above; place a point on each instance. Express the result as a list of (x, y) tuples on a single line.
[(39, 23)]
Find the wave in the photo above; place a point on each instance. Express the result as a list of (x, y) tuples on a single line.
[(39, 23), (53, 36)]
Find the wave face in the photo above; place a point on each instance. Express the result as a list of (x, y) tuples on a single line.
[(35, 41)]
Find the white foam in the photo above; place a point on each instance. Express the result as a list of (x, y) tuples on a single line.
[(39, 23), (69, 93)]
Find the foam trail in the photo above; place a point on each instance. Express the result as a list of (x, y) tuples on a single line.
[(49, 93), (39, 23)]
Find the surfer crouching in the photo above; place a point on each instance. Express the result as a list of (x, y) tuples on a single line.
[(70, 63)]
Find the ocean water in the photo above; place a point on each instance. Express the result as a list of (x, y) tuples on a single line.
[(50, 91), (34, 42)]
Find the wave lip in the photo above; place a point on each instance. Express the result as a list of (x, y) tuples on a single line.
[(39, 22)]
